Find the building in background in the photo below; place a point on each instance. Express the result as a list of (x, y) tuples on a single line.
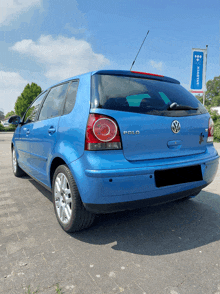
[(216, 108), (4, 122)]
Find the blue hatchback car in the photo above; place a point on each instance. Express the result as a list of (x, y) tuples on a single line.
[(109, 140)]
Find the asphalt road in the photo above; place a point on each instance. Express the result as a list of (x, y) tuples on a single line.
[(168, 249)]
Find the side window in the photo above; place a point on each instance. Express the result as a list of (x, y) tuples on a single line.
[(53, 105), (31, 113), (71, 97)]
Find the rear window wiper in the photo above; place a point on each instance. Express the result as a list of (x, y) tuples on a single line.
[(175, 106)]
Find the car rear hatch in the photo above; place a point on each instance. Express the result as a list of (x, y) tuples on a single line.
[(150, 126)]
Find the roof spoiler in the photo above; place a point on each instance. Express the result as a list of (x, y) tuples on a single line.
[(136, 74)]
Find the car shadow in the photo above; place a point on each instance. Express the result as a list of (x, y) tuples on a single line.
[(157, 230), (39, 187)]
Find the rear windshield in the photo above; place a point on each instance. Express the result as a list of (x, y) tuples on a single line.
[(140, 95)]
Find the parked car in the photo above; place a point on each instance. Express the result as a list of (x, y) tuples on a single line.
[(113, 140), (5, 123)]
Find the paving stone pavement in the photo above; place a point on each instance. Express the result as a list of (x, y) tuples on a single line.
[(166, 249)]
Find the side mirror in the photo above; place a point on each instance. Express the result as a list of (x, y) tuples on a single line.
[(14, 120)]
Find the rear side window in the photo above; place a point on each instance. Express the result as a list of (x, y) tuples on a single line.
[(140, 95), (53, 105), (31, 114), (71, 97)]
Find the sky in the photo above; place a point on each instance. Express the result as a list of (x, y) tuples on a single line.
[(46, 41)]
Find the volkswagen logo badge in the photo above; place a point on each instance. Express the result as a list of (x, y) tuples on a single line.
[(175, 126)]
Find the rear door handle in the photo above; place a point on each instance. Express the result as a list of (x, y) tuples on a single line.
[(51, 130), (27, 132)]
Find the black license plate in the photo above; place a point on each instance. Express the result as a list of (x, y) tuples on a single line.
[(176, 176)]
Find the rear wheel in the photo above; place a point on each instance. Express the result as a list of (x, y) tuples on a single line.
[(69, 210), (17, 171)]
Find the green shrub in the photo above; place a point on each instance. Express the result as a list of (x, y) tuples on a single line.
[(217, 131), (2, 128), (10, 128), (216, 118)]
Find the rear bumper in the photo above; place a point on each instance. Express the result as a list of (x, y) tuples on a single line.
[(130, 205), (113, 184)]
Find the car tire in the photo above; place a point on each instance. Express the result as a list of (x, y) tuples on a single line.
[(17, 171), (68, 206)]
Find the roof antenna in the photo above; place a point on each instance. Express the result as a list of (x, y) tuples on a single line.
[(139, 51)]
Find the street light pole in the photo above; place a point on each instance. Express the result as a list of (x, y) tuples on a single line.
[(205, 74)]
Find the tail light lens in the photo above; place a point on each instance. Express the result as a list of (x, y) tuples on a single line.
[(105, 129), (210, 130), (102, 133)]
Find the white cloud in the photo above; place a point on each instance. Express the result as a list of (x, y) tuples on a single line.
[(11, 9), (157, 65), (11, 86), (62, 57)]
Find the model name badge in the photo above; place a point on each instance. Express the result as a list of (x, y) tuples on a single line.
[(131, 132)]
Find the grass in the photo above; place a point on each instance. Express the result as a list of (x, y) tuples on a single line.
[(29, 291), (58, 289)]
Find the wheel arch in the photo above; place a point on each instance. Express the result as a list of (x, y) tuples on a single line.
[(57, 161)]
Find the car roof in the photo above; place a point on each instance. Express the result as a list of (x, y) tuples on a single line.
[(69, 79)]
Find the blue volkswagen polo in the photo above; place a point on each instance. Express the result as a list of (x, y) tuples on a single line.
[(109, 140)]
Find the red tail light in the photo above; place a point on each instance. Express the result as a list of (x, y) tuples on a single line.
[(210, 131), (102, 133)]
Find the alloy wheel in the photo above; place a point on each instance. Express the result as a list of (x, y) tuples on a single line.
[(63, 198), (14, 161)]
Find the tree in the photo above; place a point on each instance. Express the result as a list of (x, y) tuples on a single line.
[(10, 114), (212, 100), (216, 101), (213, 91), (199, 97), (28, 95), (2, 114), (212, 95)]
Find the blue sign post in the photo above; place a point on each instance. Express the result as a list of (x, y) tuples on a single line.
[(198, 71)]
